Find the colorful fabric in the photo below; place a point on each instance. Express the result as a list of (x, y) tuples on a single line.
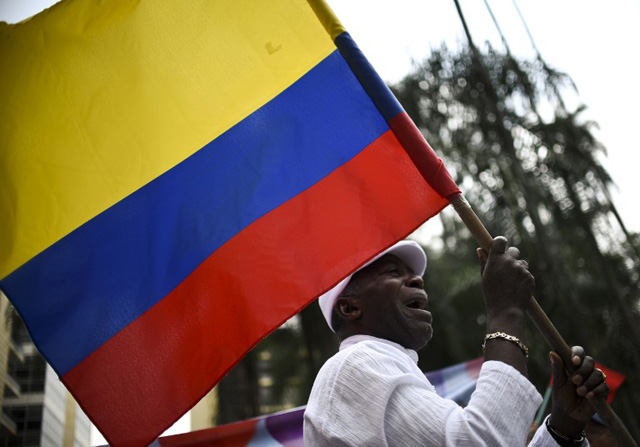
[(177, 179), (457, 382)]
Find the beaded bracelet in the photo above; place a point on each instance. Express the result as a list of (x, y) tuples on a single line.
[(508, 337)]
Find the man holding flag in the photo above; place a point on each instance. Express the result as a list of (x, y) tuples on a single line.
[(161, 157), (372, 392)]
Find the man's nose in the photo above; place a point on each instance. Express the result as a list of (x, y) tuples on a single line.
[(415, 281)]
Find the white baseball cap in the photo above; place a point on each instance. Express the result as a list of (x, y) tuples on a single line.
[(409, 251)]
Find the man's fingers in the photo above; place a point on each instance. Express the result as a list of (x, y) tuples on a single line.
[(582, 373), (577, 355), (498, 246), (593, 381), (557, 367), (602, 390), (590, 381), (513, 252)]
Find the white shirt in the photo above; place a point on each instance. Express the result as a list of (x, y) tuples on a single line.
[(372, 393)]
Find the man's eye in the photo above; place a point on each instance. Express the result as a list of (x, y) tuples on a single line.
[(393, 271)]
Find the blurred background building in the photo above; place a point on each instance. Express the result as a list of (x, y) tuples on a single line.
[(37, 410)]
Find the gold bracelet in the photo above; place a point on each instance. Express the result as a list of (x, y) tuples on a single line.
[(511, 338)]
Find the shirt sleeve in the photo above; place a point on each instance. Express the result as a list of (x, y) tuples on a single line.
[(543, 438), (499, 413), (378, 400)]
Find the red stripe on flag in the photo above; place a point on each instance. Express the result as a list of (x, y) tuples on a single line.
[(155, 369), (423, 156)]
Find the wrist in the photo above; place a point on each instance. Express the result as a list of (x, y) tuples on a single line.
[(510, 322), (566, 428), (505, 313)]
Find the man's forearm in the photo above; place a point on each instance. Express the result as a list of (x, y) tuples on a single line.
[(500, 349), (507, 285)]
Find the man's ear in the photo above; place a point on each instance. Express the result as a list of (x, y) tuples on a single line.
[(348, 308)]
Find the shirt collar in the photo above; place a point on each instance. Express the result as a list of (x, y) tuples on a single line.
[(350, 341)]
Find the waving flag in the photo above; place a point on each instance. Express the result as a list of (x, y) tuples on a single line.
[(178, 178)]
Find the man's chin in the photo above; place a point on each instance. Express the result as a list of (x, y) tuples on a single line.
[(421, 339), (423, 345)]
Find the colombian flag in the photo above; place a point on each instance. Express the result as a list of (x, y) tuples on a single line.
[(178, 178)]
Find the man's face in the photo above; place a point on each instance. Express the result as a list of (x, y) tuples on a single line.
[(393, 303)]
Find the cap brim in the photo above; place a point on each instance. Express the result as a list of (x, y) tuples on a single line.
[(409, 251)]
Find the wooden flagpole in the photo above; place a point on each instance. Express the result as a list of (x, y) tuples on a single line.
[(544, 324)]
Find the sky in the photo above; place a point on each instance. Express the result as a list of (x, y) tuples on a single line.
[(595, 42)]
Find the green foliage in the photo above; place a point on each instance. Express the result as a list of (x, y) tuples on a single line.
[(529, 167)]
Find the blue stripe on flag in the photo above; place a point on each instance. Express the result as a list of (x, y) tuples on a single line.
[(382, 97)]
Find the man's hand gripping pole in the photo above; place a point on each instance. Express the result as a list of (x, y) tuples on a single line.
[(544, 324)]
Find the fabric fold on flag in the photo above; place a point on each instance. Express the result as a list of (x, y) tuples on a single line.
[(177, 179)]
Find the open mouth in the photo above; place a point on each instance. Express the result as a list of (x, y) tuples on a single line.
[(417, 303)]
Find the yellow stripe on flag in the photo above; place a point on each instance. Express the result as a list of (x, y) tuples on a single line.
[(329, 20), (128, 90)]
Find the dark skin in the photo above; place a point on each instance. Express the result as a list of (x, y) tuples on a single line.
[(386, 299), (571, 410)]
